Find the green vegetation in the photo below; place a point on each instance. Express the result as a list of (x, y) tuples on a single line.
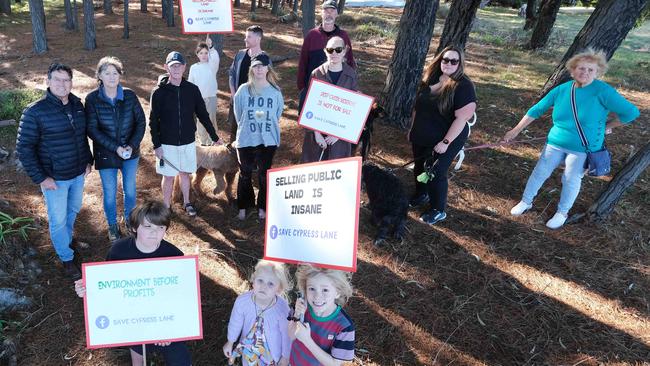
[(12, 226), (20, 12), (12, 102)]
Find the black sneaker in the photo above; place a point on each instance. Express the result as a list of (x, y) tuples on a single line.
[(432, 217), (114, 232), (416, 201), (71, 270), (191, 211)]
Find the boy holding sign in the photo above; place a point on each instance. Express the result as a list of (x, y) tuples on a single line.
[(327, 335), (148, 222)]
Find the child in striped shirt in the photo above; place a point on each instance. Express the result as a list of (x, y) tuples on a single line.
[(327, 335)]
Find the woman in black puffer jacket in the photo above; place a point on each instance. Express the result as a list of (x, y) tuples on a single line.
[(116, 124)]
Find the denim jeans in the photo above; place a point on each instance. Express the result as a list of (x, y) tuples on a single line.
[(109, 186), (574, 170), (63, 205)]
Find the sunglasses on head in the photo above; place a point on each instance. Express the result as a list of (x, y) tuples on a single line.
[(453, 61), (337, 49)]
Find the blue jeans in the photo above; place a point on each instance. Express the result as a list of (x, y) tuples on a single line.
[(109, 186), (63, 205), (574, 170)]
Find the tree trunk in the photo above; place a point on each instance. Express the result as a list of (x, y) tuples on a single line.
[(5, 7), (237, 3), (308, 16), (458, 24), (126, 20), (295, 6), (544, 26), (37, 14), (341, 6), (406, 64), (71, 19), (163, 5), (253, 5), (170, 12), (143, 6), (604, 204), (217, 42), (108, 7), (275, 7), (531, 14), (90, 42), (605, 30)]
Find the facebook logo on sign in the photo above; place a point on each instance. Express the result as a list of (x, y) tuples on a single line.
[(190, 21), (102, 322)]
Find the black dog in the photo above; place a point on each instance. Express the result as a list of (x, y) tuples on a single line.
[(388, 201), (366, 134)]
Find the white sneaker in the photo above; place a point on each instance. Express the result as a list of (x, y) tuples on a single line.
[(556, 221), (520, 208)]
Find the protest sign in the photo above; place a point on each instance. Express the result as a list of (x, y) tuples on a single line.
[(206, 16), (142, 301), (312, 213), (335, 111)]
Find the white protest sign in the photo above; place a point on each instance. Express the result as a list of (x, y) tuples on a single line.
[(142, 301), (312, 214), (206, 16), (335, 111)]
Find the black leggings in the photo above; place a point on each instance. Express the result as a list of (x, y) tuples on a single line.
[(250, 157), (437, 187)]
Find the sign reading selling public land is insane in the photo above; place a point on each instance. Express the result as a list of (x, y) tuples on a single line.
[(142, 301), (206, 16), (312, 213), (335, 111)]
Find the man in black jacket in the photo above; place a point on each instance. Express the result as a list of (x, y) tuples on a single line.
[(174, 103), (53, 148)]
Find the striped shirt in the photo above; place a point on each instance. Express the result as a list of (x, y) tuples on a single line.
[(334, 334)]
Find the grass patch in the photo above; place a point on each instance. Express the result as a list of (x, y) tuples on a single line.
[(363, 26), (12, 103), (368, 31), (20, 12)]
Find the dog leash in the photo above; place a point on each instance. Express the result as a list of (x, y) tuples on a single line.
[(170, 164), (484, 146)]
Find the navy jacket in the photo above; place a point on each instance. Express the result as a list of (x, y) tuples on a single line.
[(171, 120), (111, 126), (52, 139)]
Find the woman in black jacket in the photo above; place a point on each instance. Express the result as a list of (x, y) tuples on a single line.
[(116, 124)]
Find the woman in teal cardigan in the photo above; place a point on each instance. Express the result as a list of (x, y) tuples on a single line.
[(594, 100)]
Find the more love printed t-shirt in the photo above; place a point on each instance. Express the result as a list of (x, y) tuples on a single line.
[(258, 116)]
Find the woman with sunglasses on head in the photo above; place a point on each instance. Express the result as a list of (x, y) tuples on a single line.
[(316, 146), (446, 99)]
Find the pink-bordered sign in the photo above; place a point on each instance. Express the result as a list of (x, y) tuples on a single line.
[(142, 301), (206, 16), (335, 111), (312, 214)]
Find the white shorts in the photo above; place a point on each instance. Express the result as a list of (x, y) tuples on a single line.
[(177, 158)]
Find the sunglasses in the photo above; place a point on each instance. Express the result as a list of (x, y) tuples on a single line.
[(337, 49), (453, 61)]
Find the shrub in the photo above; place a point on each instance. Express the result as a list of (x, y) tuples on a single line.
[(13, 102)]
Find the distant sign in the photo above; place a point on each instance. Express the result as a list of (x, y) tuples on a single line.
[(313, 213), (142, 301), (335, 111), (206, 16)]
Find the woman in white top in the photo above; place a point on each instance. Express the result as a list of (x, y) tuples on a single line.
[(204, 75)]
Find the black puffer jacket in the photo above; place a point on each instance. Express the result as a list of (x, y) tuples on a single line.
[(107, 135), (171, 120), (52, 139)]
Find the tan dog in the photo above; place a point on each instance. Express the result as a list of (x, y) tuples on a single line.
[(222, 161)]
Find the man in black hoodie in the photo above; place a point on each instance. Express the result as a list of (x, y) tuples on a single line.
[(174, 102)]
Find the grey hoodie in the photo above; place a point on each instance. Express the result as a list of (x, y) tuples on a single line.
[(258, 116)]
